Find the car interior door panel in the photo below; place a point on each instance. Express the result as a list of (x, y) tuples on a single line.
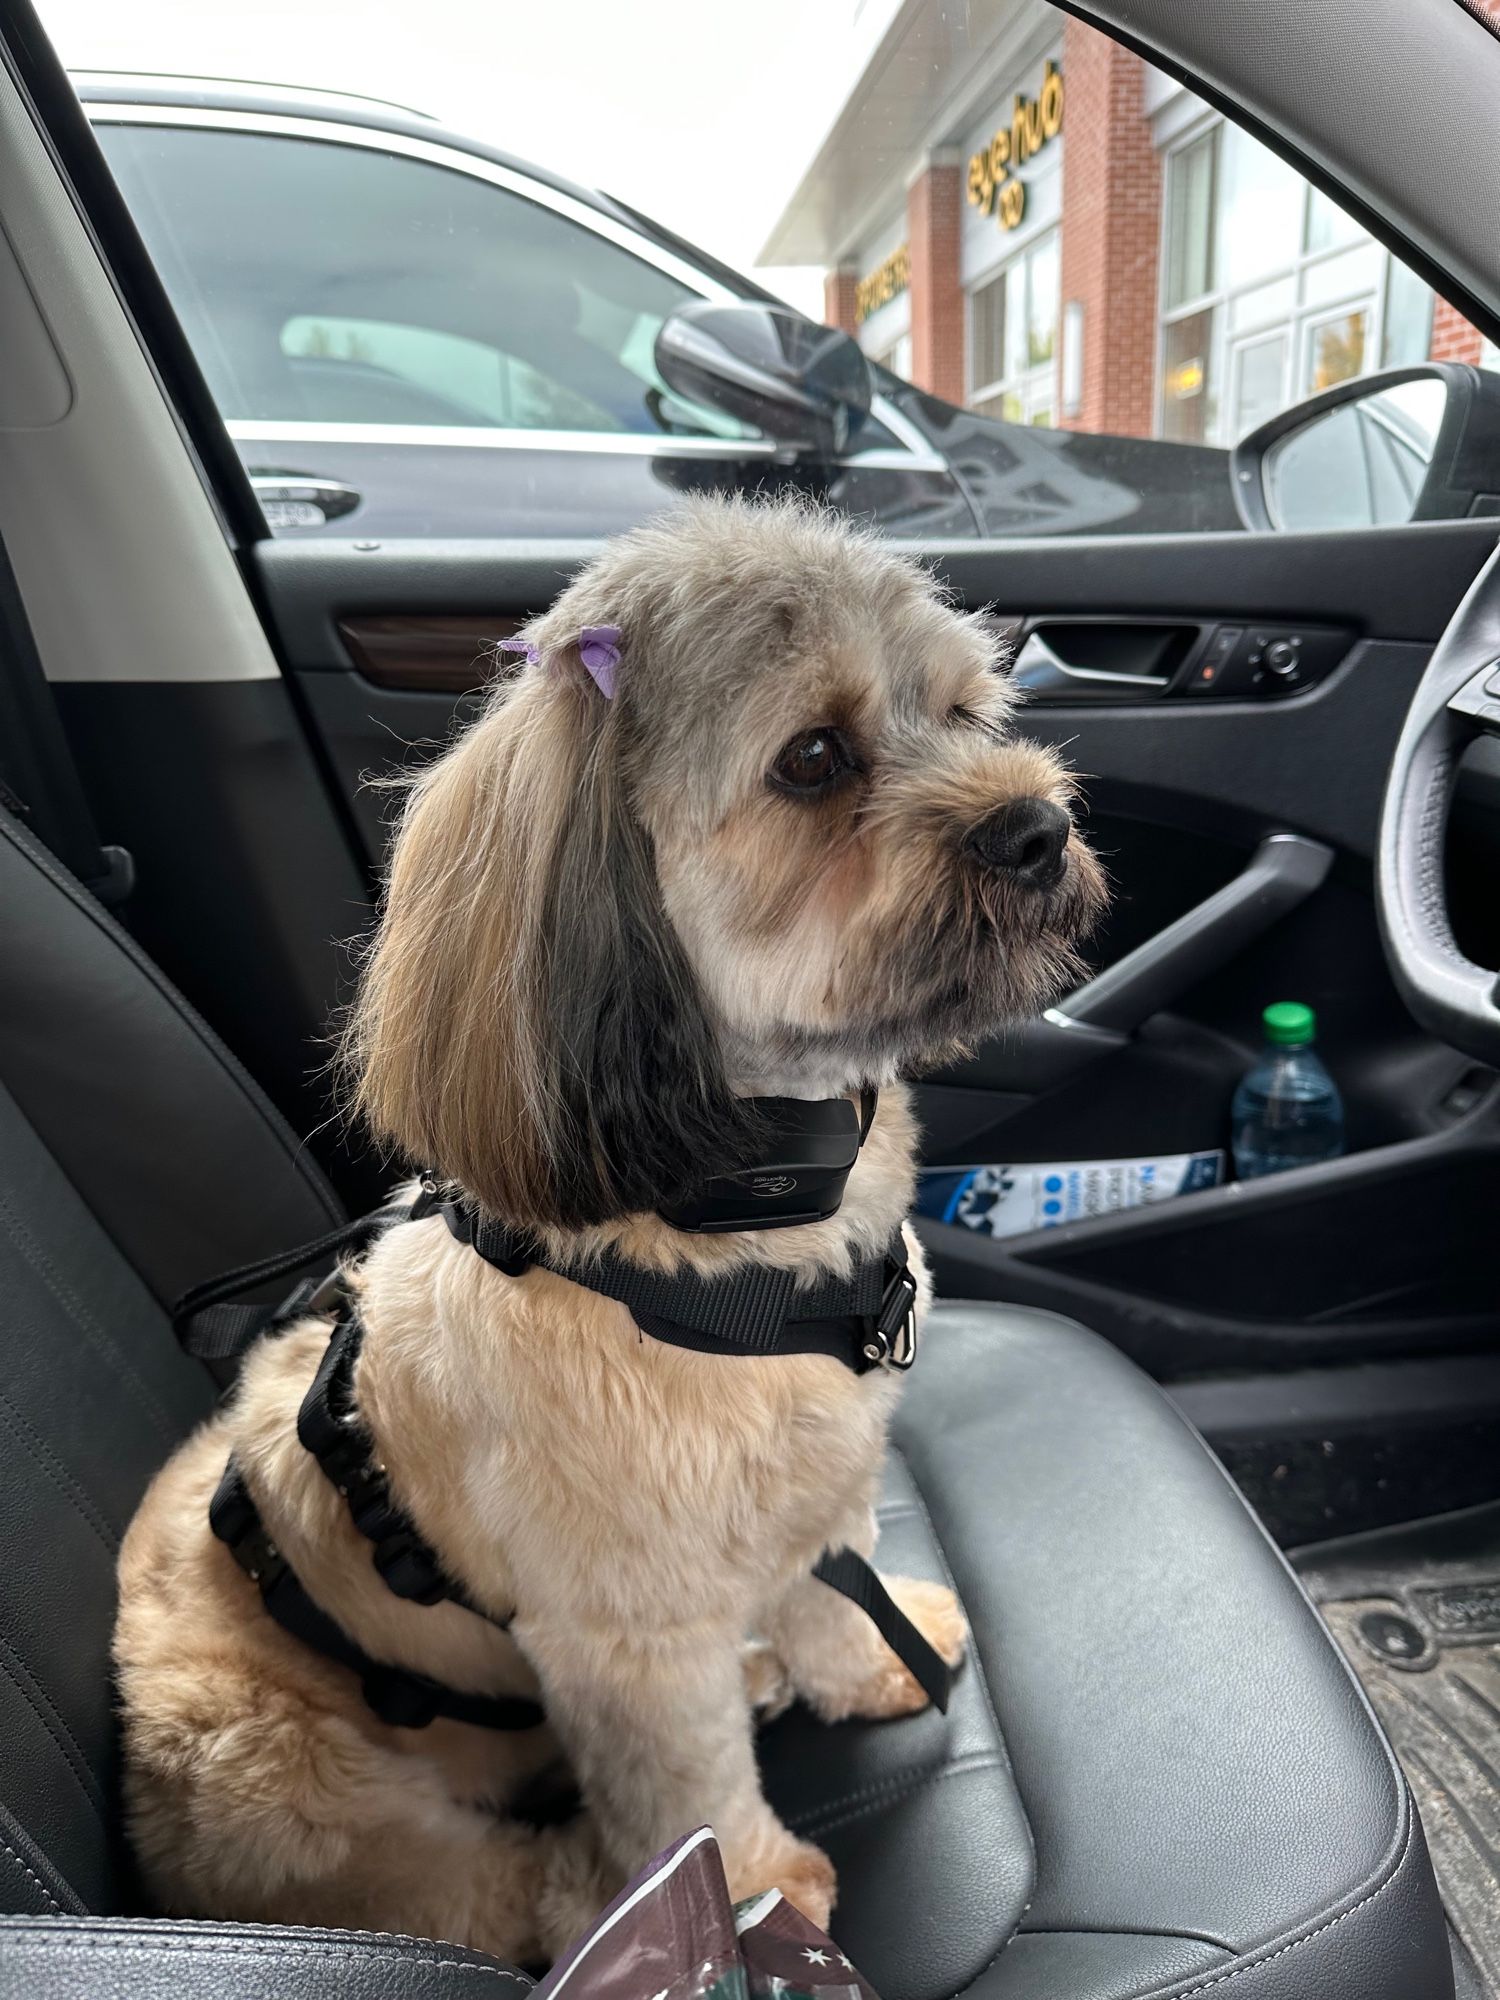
[(1239, 832)]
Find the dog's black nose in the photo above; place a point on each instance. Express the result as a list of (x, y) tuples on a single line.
[(1026, 837)]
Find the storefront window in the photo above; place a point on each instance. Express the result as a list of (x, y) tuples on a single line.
[(1406, 333), (1336, 350), (897, 357), (1259, 379), (1269, 291), (1258, 222), (1013, 337), (1327, 224), (1189, 387), (1190, 221)]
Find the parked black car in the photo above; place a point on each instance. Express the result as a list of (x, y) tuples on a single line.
[(382, 306)]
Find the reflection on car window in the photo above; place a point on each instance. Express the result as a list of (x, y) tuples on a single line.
[(376, 371), (324, 283)]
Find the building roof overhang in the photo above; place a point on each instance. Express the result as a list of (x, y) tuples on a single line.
[(929, 77)]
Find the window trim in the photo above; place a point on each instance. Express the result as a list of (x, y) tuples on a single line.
[(915, 454), (371, 139)]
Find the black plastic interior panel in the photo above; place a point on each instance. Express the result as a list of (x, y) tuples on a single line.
[(371, 732), (1394, 583), (1223, 768), (1228, 771), (1168, 1090), (1338, 1451), (247, 887), (1238, 770), (1387, 1253)]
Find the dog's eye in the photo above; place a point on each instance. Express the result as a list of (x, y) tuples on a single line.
[(964, 717), (812, 761)]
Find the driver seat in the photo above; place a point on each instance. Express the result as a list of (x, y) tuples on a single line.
[(1157, 1777)]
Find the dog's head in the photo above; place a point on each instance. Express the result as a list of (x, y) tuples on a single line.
[(795, 849)]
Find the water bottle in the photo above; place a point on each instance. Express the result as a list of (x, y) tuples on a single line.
[(1287, 1110)]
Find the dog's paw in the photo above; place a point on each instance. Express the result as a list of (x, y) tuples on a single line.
[(935, 1612), (577, 1879), (893, 1690), (768, 1686), (803, 1873)]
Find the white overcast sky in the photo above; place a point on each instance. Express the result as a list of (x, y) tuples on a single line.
[(703, 113)]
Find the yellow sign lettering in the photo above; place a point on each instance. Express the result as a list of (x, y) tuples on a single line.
[(992, 186), (886, 282)]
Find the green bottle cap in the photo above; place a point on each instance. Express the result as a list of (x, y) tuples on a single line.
[(1289, 1025)]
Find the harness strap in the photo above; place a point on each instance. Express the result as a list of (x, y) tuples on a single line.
[(864, 1320), (849, 1574), (210, 1329), (404, 1699), (328, 1426)]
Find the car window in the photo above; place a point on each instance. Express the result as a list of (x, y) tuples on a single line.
[(1080, 242), (335, 283), (1077, 283)]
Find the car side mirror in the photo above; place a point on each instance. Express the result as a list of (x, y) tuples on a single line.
[(805, 386), (1410, 444)]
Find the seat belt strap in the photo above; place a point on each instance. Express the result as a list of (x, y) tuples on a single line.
[(211, 1329)]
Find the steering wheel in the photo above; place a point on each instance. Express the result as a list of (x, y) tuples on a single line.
[(1457, 700)]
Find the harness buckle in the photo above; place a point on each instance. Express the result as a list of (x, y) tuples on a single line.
[(892, 1338)]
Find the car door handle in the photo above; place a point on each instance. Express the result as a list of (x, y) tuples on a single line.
[(1100, 1017), (1041, 671), (1283, 872), (302, 500)]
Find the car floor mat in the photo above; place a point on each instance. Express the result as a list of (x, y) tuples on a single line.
[(1417, 1611)]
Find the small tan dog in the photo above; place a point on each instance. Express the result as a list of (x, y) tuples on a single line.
[(775, 862)]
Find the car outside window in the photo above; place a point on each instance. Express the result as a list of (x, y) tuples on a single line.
[(339, 283)]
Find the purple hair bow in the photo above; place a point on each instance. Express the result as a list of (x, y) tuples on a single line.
[(533, 653), (598, 648)]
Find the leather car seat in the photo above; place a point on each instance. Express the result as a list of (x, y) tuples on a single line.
[(1156, 1778)]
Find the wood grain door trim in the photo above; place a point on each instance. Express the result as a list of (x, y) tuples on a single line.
[(428, 652)]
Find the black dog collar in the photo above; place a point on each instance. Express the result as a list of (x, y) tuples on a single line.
[(806, 1151)]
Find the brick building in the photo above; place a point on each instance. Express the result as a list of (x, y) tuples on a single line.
[(1017, 214)]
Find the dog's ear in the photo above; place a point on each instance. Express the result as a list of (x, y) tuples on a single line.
[(528, 1023)]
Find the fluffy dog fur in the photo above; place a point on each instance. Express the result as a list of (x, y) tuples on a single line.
[(606, 924)]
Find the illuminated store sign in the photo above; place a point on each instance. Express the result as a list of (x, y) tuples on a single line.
[(993, 186)]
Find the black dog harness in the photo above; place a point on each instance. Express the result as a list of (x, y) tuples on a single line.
[(863, 1321)]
